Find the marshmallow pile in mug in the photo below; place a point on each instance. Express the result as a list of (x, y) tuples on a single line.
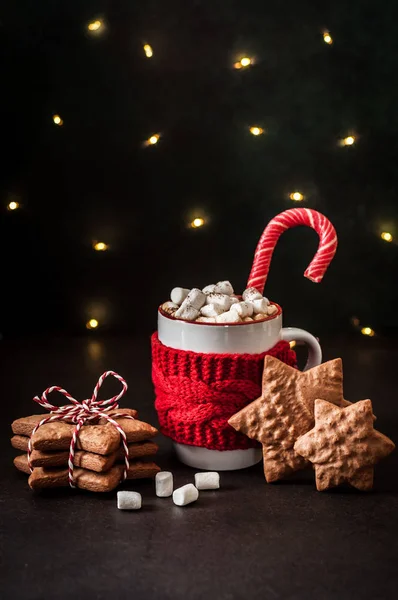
[(217, 303)]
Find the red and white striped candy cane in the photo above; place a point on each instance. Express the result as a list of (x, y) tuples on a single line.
[(271, 234), (80, 412)]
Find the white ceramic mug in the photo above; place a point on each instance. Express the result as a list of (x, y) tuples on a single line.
[(236, 338)]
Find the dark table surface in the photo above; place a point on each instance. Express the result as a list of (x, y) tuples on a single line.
[(247, 540)]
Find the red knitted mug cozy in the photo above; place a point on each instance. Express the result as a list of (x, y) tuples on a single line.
[(197, 393)]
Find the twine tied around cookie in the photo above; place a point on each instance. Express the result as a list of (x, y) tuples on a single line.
[(81, 412)]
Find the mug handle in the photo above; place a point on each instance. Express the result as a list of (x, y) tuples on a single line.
[(300, 335)]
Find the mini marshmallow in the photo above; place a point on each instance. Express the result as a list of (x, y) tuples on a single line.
[(224, 287), (247, 320), (234, 299), (260, 305), (272, 309), (178, 295), (187, 312), (129, 500), (185, 495), (244, 309), (196, 298), (169, 307), (205, 320), (251, 294), (231, 316), (221, 300), (260, 317), (164, 484), (211, 310), (207, 481), (209, 289)]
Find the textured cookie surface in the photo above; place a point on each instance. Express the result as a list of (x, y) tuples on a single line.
[(284, 411), (42, 478), (343, 445)]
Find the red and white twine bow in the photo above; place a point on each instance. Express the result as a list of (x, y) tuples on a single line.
[(81, 412)]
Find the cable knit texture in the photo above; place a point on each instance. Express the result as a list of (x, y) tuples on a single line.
[(197, 393)]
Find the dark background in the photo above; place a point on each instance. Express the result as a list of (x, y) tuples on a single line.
[(92, 179)]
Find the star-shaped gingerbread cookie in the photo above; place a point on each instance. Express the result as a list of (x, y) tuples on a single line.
[(285, 411), (343, 446)]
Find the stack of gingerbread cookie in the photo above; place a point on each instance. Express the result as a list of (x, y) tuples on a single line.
[(98, 457)]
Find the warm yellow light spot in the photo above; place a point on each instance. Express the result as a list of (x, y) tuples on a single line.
[(95, 25), (387, 237), (13, 206), (327, 38), (198, 222), (292, 344), (348, 141), (367, 331), (57, 120), (92, 324), (256, 130), (237, 65), (148, 51), (296, 196), (152, 140), (245, 61), (100, 246)]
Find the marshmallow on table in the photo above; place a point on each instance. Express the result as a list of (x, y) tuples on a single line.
[(211, 310), (185, 495), (187, 312), (178, 295), (243, 309), (221, 300), (207, 481), (260, 305), (209, 289), (231, 316), (129, 500), (164, 484), (169, 307), (251, 294), (224, 287)]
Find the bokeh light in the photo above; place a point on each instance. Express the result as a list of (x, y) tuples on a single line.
[(92, 324), (386, 236), (197, 222), (256, 130), (148, 51), (13, 205), (100, 246), (367, 331), (57, 120), (296, 196)]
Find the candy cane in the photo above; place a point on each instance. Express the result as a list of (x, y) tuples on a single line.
[(271, 234)]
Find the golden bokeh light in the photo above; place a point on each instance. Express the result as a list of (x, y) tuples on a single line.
[(152, 140), (292, 344), (386, 236), (148, 51), (100, 246), (57, 120), (327, 38), (367, 331), (13, 205), (256, 130), (92, 324), (296, 196), (347, 141), (197, 222), (95, 25)]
